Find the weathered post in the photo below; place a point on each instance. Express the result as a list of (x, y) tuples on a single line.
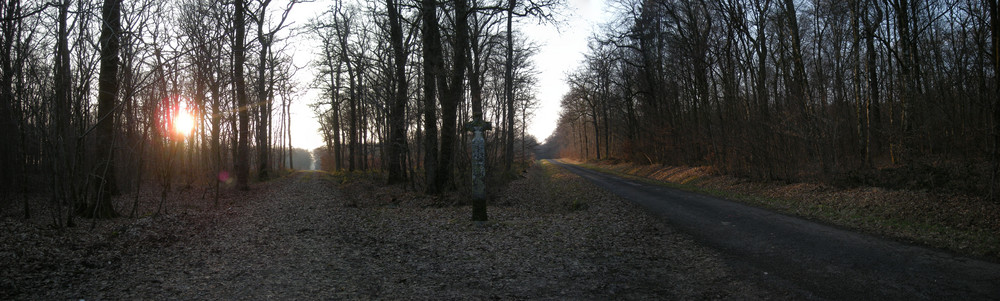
[(478, 169)]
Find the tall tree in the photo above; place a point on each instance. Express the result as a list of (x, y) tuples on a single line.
[(509, 89), (9, 114), (104, 175), (905, 53), (433, 65), (263, 103), (344, 21), (397, 107), (242, 161), (453, 95), (265, 85), (65, 141), (994, 20)]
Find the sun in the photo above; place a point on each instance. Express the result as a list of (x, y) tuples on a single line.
[(183, 120)]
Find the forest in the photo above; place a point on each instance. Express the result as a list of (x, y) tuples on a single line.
[(897, 93), (102, 99), (723, 149)]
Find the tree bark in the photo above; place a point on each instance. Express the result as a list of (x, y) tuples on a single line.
[(9, 115), (509, 91), (343, 32), (872, 109), (762, 92), (65, 139), (335, 107), (263, 102), (397, 110), (995, 46), (449, 104), (242, 161), (432, 66), (104, 175), (907, 64), (799, 86)]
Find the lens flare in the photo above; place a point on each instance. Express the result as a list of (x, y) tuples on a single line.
[(183, 120)]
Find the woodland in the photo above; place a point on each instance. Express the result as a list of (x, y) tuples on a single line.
[(101, 99), (892, 93), (166, 127)]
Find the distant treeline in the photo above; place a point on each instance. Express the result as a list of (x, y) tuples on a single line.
[(400, 82), (790, 89)]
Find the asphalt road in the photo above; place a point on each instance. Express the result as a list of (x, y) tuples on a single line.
[(805, 258)]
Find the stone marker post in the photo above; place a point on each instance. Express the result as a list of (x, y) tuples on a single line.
[(478, 169)]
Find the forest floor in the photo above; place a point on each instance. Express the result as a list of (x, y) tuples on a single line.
[(314, 235), (960, 223)]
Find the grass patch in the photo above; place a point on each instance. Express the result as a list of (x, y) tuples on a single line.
[(567, 194), (960, 224)]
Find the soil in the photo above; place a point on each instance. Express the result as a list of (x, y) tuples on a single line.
[(551, 235)]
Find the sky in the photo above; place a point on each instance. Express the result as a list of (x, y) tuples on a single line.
[(562, 48)]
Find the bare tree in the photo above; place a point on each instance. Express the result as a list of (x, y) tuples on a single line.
[(433, 68), (65, 141), (265, 87), (397, 118), (104, 175), (453, 95), (992, 6), (9, 113), (242, 162), (788, 89)]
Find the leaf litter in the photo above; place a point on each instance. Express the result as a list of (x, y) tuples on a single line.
[(312, 235)]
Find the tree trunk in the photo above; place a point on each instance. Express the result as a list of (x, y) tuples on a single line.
[(762, 92), (597, 131), (263, 102), (872, 110), (242, 161), (509, 91), (799, 86), (432, 66), (335, 107), (288, 134), (449, 104), (352, 134), (10, 168), (104, 175), (65, 140), (476, 69), (995, 39), (397, 110), (216, 136), (64, 116), (907, 65)]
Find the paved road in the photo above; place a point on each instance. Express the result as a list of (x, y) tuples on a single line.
[(811, 260)]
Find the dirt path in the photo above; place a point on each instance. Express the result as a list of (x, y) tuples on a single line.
[(552, 235), (263, 250), (813, 260)]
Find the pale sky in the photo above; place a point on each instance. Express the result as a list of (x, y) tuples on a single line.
[(561, 52)]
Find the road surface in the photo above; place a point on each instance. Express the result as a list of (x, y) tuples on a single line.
[(811, 260)]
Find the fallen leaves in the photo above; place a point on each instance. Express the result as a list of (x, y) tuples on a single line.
[(309, 237)]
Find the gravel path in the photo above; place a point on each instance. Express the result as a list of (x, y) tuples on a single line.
[(552, 235)]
